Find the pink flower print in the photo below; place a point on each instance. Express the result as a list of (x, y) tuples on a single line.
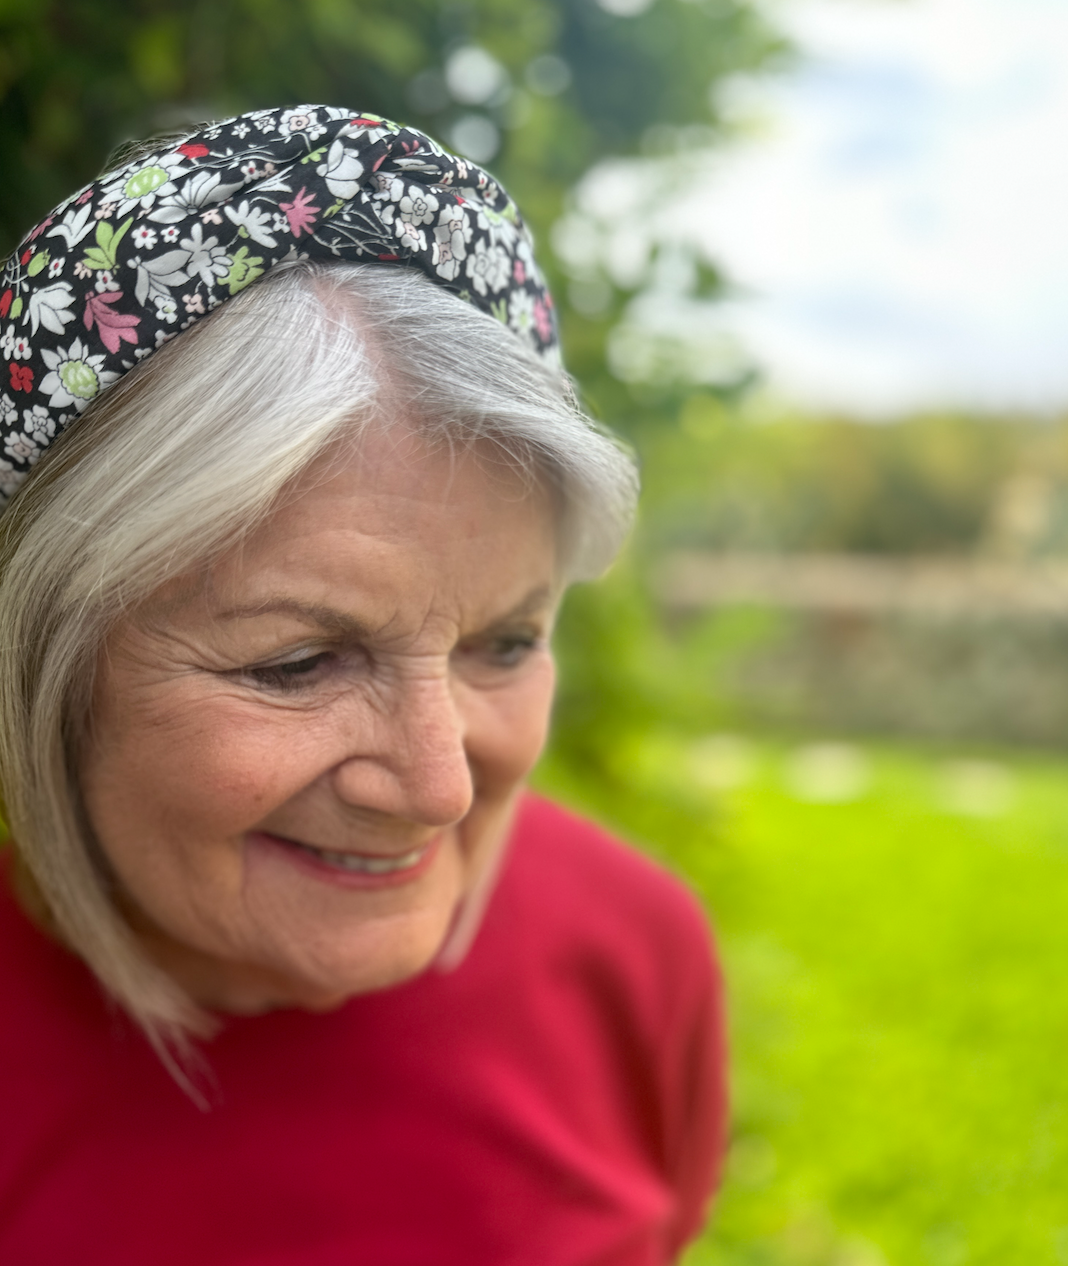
[(300, 213), (114, 328), (193, 302), (542, 320), (83, 198), (298, 122), (211, 216), (80, 270), (40, 228), (519, 272), (105, 211)]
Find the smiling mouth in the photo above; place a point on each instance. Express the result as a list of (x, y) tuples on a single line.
[(362, 864)]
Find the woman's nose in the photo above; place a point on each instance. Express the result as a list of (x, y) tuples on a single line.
[(418, 767)]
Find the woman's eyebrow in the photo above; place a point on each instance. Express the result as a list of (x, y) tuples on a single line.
[(326, 618), (344, 625), (532, 604)]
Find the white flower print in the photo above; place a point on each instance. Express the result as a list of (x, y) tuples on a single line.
[(56, 266), (141, 185), (253, 220), (207, 259), (301, 121), (201, 191), (489, 267), (521, 312), (279, 223), (496, 226), (15, 346), (411, 237), (166, 309), (38, 424), (341, 171), (170, 233), (105, 282), (390, 185), (418, 207), (10, 478), (75, 376), (454, 224), (144, 238), (241, 130), (22, 448), (8, 412), (77, 223)]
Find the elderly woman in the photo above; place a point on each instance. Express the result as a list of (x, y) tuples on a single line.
[(292, 970)]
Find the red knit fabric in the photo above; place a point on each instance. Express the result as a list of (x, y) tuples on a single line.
[(557, 1100)]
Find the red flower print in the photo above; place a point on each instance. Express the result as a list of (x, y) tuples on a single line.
[(115, 327), (21, 377), (25, 257), (5, 303), (389, 259), (300, 213), (192, 149)]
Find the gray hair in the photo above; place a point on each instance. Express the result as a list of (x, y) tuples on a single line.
[(188, 452)]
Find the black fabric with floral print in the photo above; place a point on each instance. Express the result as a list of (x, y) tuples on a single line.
[(137, 256)]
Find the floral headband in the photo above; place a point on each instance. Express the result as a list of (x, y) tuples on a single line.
[(142, 253)]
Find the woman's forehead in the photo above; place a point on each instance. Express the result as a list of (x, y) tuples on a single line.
[(396, 530)]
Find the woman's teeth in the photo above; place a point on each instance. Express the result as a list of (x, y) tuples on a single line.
[(367, 865)]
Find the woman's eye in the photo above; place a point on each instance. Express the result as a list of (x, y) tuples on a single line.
[(509, 652), (290, 674)]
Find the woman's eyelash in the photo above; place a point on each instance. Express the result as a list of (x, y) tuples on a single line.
[(512, 649), (288, 675)]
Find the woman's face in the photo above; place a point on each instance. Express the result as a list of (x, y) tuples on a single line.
[(301, 763)]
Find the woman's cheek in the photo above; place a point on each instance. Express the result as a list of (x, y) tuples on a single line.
[(517, 722)]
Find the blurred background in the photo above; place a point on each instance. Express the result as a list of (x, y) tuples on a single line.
[(809, 257)]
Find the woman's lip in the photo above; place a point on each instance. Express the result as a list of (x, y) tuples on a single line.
[(350, 869)]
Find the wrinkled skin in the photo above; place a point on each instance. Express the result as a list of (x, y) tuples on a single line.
[(369, 674)]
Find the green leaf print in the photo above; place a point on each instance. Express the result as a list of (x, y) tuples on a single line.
[(103, 254), (244, 268)]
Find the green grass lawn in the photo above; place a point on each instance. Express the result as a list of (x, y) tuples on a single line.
[(896, 947)]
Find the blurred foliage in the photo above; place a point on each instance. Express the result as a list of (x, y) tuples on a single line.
[(730, 478), (566, 84)]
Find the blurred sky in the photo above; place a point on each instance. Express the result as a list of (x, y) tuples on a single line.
[(897, 225)]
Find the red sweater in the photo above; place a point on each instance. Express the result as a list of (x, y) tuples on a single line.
[(557, 1100)]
